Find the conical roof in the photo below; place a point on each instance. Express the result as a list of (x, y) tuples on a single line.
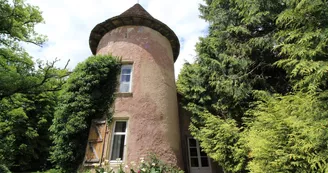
[(136, 15), (138, 10)]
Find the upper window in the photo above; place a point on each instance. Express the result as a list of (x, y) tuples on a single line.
[(126, 79), (118, 140)]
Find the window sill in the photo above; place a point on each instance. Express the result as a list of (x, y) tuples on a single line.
[(130, 94), (115, 162)]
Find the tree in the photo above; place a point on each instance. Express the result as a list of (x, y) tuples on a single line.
[(253, 45), (88, 94), (233, 60), (290, 129), (27, 93), (288, 134)]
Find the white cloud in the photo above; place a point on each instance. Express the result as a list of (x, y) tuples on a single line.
[(69, 23)]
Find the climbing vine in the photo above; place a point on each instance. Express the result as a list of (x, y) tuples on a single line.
[(88, 95)]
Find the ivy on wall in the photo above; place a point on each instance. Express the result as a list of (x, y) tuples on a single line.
[(88, 94)]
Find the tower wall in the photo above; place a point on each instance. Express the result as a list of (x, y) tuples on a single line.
[(152, 108)]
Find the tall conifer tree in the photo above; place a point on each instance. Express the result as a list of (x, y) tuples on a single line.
[(257, 54)]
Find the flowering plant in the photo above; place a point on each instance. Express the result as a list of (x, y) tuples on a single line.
[(149, 165)]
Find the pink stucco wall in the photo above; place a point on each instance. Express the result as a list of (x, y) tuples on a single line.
[(152, 109)]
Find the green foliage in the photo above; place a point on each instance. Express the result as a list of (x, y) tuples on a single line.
[(151, 165), (4, 169), (255, 47), (24, 136), (50, 171), (301, 39), (88, 95), (222, 140), (234, 59), (17, 73), (17, 23), (289, 134), (27, 94)]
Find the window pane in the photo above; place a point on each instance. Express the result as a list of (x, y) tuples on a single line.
[(204, 161), (192, 142), (202, 153), (126, 71), (120, 126), (193, 152), (125, 78), (194, 162), (125, 87), (118, 147)]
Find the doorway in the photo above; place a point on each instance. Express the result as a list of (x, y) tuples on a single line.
[(198, 160)]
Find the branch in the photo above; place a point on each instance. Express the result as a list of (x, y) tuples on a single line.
[(26, 90), (46, 77), (30, 41), (67, 63), (5, 43)]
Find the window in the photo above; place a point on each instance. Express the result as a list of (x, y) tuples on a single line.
[(198, 159), (126, 79), (118, 140)]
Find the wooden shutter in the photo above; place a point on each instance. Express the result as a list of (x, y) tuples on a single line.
[(96, 142)]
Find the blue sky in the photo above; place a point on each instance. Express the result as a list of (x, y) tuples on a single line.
[(68, 24)]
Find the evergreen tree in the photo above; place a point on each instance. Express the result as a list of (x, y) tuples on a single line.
[(255, 48), (233, 60), (288, 134)]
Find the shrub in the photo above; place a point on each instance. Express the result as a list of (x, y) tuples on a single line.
[(150, 165)]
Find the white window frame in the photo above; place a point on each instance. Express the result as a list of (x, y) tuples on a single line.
[(124, 66), (112, 141), (200, 167)]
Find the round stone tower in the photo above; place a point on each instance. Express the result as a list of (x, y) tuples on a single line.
[(148, 106)]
